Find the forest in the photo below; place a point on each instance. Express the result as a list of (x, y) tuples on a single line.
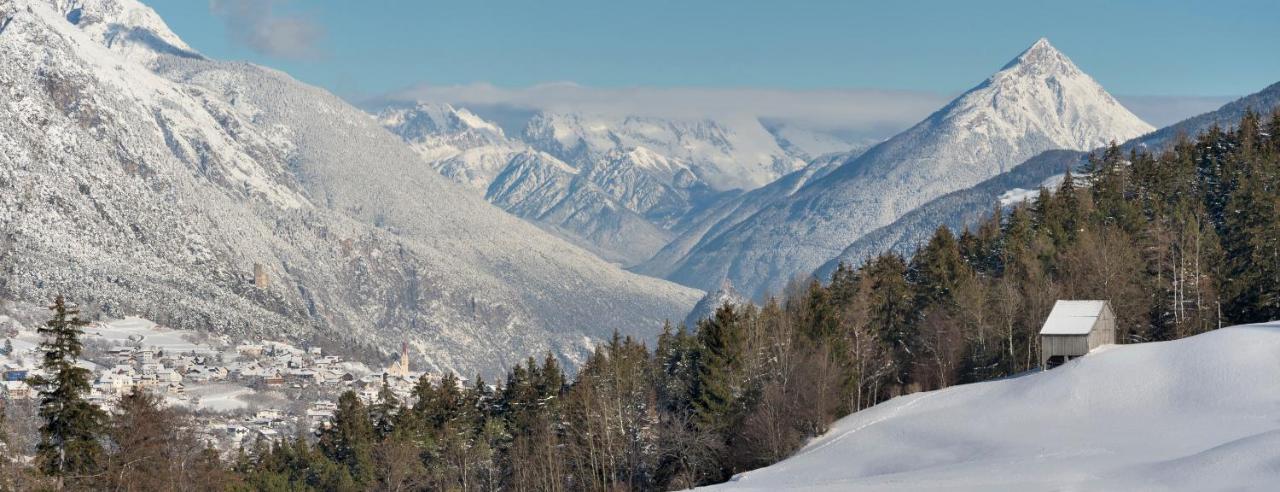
[(1181, 242)]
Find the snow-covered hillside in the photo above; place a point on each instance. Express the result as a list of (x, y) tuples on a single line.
[(137, 176), (1193, 414), (1039, 101), (620, 185)]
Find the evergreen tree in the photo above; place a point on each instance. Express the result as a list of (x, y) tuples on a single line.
[(70, 449), (349, 442), (892, 312), (676, 365), (385, 411), (937, 269), (717, 384)]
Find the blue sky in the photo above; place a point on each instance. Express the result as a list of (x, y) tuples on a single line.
[(368, 48)]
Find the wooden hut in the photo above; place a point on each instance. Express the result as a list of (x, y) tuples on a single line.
[(1075, 328)]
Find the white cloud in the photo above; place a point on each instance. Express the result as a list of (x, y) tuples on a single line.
[(258, 25), (855, 113)]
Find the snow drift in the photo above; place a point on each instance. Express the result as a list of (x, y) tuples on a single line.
[(1193, 414)]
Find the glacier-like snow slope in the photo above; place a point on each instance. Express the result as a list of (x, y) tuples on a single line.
[(1039, 101), (620, 185), (1194, 414), (137, 176)]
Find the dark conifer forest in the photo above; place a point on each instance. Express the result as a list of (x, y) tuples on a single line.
[(1181, 242)]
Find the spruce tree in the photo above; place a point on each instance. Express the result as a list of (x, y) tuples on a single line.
[(718, 366), (385, 411), (937, 268), (69, 448), (349, 442), (892, 312)]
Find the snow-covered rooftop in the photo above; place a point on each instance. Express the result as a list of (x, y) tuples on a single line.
[(1072, 317)]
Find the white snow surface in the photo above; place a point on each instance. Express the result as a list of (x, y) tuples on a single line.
[(1016, 196), (1195, 414), (145, 332), (1039, 101)]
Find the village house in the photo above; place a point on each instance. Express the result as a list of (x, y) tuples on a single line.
[(1073, 329), (17, 390), (116, 381), (249, 349), (273, 381)]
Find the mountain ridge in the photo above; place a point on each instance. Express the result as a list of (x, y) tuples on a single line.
[(1039, 101), (619, 185)]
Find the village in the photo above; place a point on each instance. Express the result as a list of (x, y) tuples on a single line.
[(239, 391)]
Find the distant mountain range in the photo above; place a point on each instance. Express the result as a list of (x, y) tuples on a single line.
[(138, 176), (620, 185)]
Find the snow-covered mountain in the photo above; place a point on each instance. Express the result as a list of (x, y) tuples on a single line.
[(965, 208), (620, 185), (139, 177), (1190, 414), (1039, 101), (727, 213)]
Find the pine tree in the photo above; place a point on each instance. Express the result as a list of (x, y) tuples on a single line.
[(349, 442), (676, 364), (69, 448), (717, 387), (892, 312), (937, 268), (385, 411)]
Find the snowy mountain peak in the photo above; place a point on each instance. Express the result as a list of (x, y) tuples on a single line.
[(1040, 61), (127, 27), (1040, 93), (424, 119)]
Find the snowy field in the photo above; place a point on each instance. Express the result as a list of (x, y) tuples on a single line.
[(1202, 413), (147, 333), (217, 397)]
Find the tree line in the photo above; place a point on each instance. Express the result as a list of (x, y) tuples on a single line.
[(1181, 242)]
